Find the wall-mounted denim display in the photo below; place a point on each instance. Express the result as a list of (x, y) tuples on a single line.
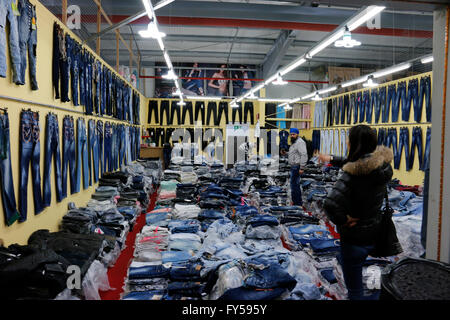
[(69, 155), (93, 150), (248, 108), (354, 106), (424, 92), (30, 152), (391, 140), (367, 106), (237, 110), (82, 155), (27, 27), (223, 110), (400, 99), (342, 109), (412, 97), (52, 147), (174, 107), (391, 98), (360, 106), (336, 111), (417, 142), (100, 140), (7, 184), (7, 12), (403, 144), (211, 110), (97, 69), (426, 155)]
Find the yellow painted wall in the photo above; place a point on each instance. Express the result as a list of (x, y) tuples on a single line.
[(51, 216), (414, 176)]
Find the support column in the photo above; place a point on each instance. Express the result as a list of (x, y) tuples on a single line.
[(438, 222)]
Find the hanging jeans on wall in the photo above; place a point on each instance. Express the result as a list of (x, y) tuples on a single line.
[(403, 144), (382, 136), (97, 68), (376, 104), (55, 59), (391, 97), (400, 98), (212, 108), (115, 147), (248, 107), (425, 90), (343, 108), (82, 152), (416, 142), (329, 113), (426, 156), (69, 154), (200, 109), (30, 152), (52, 151), (361, 106), (412, 96), (7, 13), (82, 77), (391, 140), (164, 109), (175, 108), (152, 107), (223, 109), (354, 107), (382, 99), (7, 187), (239, 110), (187, 108), (27, 40), (93, 150), (348, 109), (367, 106), (74, 58), (99, 129), (335, 111), (121, 144), (107, 156)]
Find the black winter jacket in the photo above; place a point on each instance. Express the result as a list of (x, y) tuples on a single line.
[(359, 193)]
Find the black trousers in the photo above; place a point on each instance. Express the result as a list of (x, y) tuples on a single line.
[(233, 113), (175, 108), (212, 108), (159, 135), (152, 107), (200, 108), (223, 109), (164, 109), (248, 107), (187, 108)]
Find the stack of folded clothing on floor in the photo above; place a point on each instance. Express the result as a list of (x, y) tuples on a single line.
[(185, 211), (159, 216), (263, 227), (208, 216), (186, 191)]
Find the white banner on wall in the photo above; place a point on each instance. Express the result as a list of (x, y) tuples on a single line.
[(238, 130)]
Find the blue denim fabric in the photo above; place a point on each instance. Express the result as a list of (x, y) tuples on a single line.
[(107, 151), (154, 218), (367, 106), (211, 214), (328, 275), (30, 151), (400, 98), (186, 271), (354, 101), (93, 149), (351, 259), (316, 192), (191, 289), (308, 228), (153, 271), (403, 143), (392, 140), (382, 103), (296, 192), (413, 96), (426, 155), (425, 90), (89, 108), (7, 183), (52, 152), (27, 41), (263, 220), (73, 53), (69, 154), (375, 104), (6, 12), (82, 152), (246, 210), (99, 133), (284, 139), (82, 76), (391, 97), (416, 142), (242, 293), (145, 295), (325, 246), (271, 277), (175, 256), (97, 80), (361, 106), (184, 226), (121, 144)]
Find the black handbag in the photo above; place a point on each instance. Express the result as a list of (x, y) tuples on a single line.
[(387, 243)]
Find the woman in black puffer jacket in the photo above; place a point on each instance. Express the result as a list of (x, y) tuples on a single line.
[(355, 202)]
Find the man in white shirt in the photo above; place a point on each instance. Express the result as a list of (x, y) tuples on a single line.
[(298, 157)]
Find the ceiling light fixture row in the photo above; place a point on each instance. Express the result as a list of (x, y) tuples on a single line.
[(343, 31)]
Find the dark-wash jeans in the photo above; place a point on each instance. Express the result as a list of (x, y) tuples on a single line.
[(69, 154)]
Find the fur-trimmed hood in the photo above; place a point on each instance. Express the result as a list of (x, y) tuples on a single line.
[(369, 163)]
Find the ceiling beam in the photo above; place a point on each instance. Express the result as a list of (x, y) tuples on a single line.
[(279, 49)]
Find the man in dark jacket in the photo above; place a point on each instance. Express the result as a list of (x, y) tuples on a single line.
[(354, 203)]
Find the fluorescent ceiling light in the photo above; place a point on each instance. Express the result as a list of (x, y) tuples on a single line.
[(325, 43), (309, 96), (239, 99), (203, 98), (292, 66), (151, 32), (347, 41), (181, 103), (252, 96), (287, 107), (326, 90), (273, 100), (367, 14), (295, 100), (427, 59), (161, 4), (170, 75), (370, 84), (279, 81), (316, 97), (234, 105), (353, 82), (148, 8), (394, 69), (270, 79)]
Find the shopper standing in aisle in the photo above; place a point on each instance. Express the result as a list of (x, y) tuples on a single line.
[(298, 156), (354, 204)]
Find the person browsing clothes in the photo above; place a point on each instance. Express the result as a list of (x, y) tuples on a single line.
[(297, 157)]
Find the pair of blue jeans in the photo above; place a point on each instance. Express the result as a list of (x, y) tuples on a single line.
[(82, 152), (401, 98), (426, 156), (7, 187), (391, 97), (375, 104), (352, 258), (7, 12), (403, 144), (69, 154), (100, 147), (73, 50), (382, 104), (273, 276), (367, 106), (153, 271), (354, 105), (361, 106), (412, 97), (425, 91), (52, 151), (296, 192), (416, 142), (93, 149), (97, 69), (27, 27), (30, 152), (391, 140)]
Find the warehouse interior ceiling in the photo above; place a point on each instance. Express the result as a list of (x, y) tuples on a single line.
[(250, 32)]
